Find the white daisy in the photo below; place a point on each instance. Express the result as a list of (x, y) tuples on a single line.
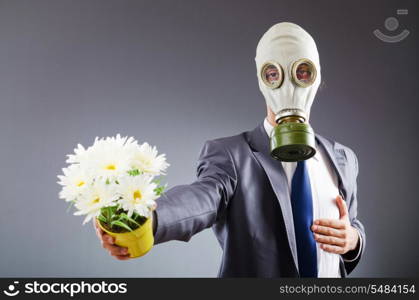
[(80, 155), (122, 141), (74, 180), (111, 157), (147, 160), (137, 194), (94, 198), (98, 176)]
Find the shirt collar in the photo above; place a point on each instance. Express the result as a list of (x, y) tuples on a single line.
[(268, 128)]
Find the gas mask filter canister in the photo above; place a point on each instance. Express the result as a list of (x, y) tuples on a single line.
[(288, 73)]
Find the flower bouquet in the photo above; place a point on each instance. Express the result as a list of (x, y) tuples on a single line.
[(114, 181)]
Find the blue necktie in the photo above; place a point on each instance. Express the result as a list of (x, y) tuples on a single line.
[(302, 209)]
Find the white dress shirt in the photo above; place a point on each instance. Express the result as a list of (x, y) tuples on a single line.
[(324, 188)]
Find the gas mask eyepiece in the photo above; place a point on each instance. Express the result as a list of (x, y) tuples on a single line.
[(303, 72), (272, 74)]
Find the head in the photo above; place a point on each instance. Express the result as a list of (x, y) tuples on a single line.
[(288, 72)]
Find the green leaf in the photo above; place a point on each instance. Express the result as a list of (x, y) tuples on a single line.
[(102, 218), (134, 172), (124, 216), (121, 224), (159, 190), (157, 181), (110, 212)]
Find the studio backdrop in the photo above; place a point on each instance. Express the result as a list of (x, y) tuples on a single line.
[(179, 73)]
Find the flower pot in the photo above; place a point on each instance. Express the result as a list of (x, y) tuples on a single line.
[(138, 241)]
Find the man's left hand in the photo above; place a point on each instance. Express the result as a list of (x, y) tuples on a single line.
[(336, 236)]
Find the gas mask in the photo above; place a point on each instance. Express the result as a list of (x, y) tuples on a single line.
[(288, 72)]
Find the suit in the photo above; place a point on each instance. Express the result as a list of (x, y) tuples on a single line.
[(242, 193)]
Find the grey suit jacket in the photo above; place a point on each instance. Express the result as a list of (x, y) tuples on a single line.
[(243, 194)]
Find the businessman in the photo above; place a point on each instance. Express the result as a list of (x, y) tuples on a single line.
[(281, 200)]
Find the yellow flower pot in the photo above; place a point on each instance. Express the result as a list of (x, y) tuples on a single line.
[(138, 241)]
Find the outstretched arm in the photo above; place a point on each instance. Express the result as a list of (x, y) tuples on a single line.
[(185, 210)]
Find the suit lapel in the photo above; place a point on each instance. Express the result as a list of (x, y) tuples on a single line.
[(338, 158), (259, 143)]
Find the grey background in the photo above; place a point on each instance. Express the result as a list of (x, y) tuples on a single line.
[(176, 73)]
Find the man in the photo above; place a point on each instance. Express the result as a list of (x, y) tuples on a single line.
[(294, 215)]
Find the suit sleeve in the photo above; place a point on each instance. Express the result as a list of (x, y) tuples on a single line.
[(185, 210), (352, 258)]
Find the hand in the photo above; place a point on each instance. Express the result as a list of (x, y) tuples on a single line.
[(108, 242), (336, 236)]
